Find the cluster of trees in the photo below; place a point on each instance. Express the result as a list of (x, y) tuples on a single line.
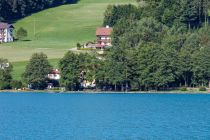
[(75, 68), (164, 44), (14, 9), (6, 81), (34, 76)]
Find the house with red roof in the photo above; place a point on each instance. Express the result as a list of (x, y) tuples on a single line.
[(103, 35), (6, 32)]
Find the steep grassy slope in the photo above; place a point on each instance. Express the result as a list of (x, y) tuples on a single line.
[(54, 31)]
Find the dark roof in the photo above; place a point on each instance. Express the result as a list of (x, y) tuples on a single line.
[(103, 31), (5, 25)]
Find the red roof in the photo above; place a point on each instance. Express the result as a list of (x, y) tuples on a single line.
[(55, 72), (103, 31), (5, 25)]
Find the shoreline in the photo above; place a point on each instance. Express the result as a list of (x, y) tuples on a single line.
[(104, 92)]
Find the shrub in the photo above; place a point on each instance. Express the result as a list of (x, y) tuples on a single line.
[(39, 84), (202, 89), (16, 84), (79, 46), (4, 85), (21, 33), (183, 89)]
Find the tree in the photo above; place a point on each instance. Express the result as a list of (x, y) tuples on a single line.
[(70, 71), (36, 71), (201, 67), (146, 31), (75, 68), (21, 33), (121, 27), (5, 74), (16, 84), (156, 67), (115, 67), (114, 13)]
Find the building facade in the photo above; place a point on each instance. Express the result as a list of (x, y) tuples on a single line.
[(54, 75), (6, 32), (103, 35)]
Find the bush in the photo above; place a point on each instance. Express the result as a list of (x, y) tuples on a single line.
[(21, 33), (39, 84), (202, 89), (4, 85), (55, 88), (183, 89), (79, 46), (16, 84)]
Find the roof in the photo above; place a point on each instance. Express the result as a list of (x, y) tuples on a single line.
[(104, 31), (5, 25), (55, 72)]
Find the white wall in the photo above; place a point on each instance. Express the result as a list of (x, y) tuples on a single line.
[(8, 35)]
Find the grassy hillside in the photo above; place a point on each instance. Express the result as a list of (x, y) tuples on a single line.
[(54, 31), (19, 67)]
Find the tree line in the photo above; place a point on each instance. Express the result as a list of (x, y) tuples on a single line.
[(162, 45), (11, 10)]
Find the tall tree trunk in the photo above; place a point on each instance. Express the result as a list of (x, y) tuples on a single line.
[(126, 86), (209, 83), (185, 81)]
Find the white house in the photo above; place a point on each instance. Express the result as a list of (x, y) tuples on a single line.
[(6, 32), (88, 84), (54, 75)]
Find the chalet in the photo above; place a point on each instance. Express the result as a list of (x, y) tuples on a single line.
[(103, 35), (54, 75), (6, 32)]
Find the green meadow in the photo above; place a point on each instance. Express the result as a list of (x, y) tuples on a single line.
[(56, 30), (20, 66)]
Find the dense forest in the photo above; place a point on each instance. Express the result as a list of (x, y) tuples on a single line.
[(11, 10), (160, 45)]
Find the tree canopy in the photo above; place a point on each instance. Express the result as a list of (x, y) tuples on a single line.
[(14, 9), (36, 71), (5, 74), (161, 45)]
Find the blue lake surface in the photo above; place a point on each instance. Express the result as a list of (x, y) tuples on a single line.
[(31, 116)]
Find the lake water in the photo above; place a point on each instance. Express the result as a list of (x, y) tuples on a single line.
[(30, 116)]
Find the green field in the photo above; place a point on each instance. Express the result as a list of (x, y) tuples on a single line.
[(56, 30), (20, 66)]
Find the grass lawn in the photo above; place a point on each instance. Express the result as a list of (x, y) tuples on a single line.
[(54, 31), (19, 67)]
